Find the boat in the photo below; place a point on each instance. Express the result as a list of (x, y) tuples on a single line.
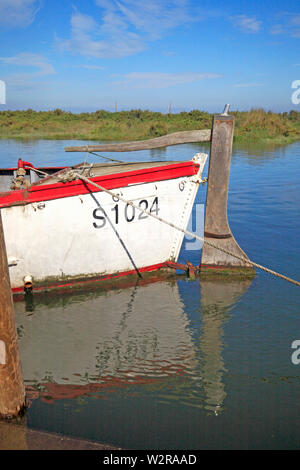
[(60, 230)]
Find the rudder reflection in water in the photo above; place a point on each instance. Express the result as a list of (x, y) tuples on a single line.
[(217, 299)]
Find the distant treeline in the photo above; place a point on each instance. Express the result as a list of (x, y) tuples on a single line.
[(255, 125)]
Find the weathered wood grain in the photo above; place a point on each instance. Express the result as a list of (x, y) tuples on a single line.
[(176, 138), (12, 391), (216, 226)]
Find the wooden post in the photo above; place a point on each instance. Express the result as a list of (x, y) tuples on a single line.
[(12, 390), (216, 227)]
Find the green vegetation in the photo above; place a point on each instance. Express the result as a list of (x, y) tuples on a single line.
[(262, 126), (256, 125)]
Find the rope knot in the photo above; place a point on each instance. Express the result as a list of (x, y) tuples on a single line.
[(67, 177)]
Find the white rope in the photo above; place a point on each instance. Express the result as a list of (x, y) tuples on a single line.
[(186, 232), (36, 170)]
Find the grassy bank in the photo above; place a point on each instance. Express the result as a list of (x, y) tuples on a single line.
[(255, 125)]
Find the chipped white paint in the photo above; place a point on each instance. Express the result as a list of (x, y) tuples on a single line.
[(12, 261), (2, 353)]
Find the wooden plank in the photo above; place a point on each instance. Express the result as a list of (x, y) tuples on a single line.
[(176, 138), (20, 437), (12, 391)]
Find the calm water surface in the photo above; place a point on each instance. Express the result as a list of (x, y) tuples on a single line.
[(177, 365)]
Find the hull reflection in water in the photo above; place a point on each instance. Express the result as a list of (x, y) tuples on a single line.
[(95, 342), (138, 337)]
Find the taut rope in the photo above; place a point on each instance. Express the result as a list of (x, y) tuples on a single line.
[(186, 232)]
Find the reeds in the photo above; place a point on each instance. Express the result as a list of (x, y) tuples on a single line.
[(254, 125)]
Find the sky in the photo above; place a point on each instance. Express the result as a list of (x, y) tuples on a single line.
[(177, 55)]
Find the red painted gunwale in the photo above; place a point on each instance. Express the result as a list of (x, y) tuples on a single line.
[(47, 192)]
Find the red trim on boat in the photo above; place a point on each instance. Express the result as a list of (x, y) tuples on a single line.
[(47, 192), (154, 267)]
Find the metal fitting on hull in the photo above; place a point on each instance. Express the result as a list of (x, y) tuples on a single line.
[(28, 282)]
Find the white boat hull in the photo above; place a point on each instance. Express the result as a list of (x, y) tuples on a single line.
[(95, 234)]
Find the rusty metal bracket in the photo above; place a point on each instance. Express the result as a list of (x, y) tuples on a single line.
[(189, 268)]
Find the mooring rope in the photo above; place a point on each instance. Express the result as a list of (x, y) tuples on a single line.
[(36, 170), (186, 232)]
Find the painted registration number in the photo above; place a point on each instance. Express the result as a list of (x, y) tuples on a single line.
[(125, 212)]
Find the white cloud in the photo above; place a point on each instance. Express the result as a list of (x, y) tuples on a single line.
[(246, 85), (296, 20), (124, 27), (16, 13), (151, 16), (24, 80), (277, 29), (296, 33), (168, 53), (246, 24), (162, 80), (290, 25), (91, 40), (26, 59), (92, 67)]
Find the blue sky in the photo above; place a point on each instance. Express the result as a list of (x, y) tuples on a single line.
[(84, 55)]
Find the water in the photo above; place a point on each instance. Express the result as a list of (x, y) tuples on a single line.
[(177, 364)]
